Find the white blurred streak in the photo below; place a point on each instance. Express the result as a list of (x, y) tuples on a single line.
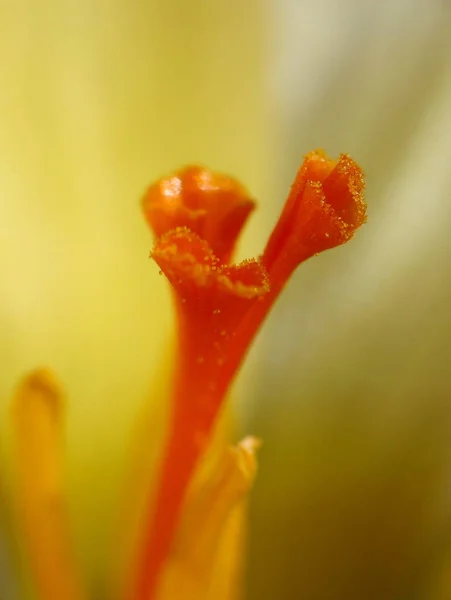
[(315, 42)]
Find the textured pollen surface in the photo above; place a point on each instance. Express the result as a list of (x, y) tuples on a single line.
[(189, 263)]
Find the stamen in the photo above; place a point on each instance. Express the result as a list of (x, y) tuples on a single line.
[(220, 307), (38, 422), (211, 299), (323, 210)]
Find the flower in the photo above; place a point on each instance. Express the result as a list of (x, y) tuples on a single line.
[(219, 307)]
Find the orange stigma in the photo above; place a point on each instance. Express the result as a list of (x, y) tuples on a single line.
[(213, 206), (323, 210), (197, 217)]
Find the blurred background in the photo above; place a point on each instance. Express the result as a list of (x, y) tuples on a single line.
[(353, 398), (348, 384)]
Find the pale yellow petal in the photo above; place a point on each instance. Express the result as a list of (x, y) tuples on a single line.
[(207, 557), (37, 430)]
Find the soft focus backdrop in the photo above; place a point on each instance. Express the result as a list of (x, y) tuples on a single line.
[(354, 396), (348, 385)]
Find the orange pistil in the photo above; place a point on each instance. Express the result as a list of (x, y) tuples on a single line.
[(323, 210), (197, 217), (213, 206)]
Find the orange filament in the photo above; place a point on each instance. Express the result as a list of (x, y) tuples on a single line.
[(220, 307)]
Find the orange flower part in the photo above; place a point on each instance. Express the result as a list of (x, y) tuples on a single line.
[(323, 210), (212, 205), (220, 307)]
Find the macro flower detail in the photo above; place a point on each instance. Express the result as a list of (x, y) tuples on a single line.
[(213, 206), (220, 307), (323, 210), (196, 217)]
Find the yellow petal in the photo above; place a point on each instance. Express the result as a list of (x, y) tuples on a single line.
[(207, 555), (37, 430), (141, 477), (228, 570)]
